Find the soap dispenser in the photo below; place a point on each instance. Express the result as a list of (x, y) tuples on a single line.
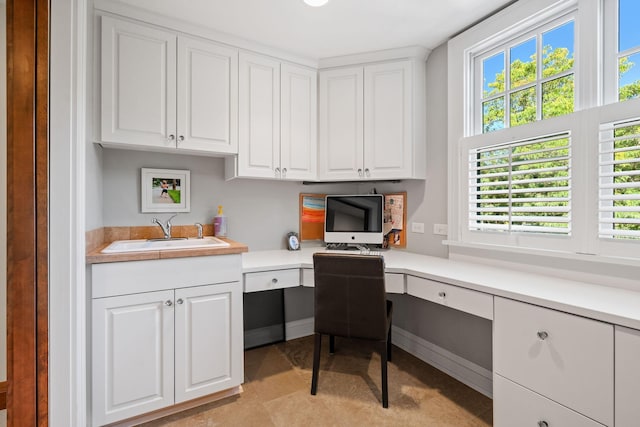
[(220, 223)]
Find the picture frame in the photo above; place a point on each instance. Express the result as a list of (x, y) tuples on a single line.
[(164, 190)]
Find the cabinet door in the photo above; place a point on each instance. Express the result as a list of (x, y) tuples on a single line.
[(298, 140), (207, 96), (387, 120), (259, 117), (627, 355), (138, 104), (341, 124), (209, 340), (132, 345)]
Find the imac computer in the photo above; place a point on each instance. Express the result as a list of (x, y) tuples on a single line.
[(354, 219)]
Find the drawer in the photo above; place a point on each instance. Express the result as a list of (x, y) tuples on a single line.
[(514, 405), (307, 277), (394, 282), (467, 300), (276, 279), (566, 358)]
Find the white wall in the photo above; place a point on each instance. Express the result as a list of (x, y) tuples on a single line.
[(3, 193), (260, 212)]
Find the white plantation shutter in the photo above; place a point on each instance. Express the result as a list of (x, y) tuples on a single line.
[(619, 196), (522, 186)]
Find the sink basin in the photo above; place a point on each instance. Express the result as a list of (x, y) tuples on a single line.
[(156, 245)]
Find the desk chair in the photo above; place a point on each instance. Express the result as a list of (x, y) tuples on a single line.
[(350, 301)]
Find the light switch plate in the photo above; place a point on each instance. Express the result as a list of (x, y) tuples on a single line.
[(417, 227), (440, 229)]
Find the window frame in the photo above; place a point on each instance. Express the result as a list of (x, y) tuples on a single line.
[(527, 33)]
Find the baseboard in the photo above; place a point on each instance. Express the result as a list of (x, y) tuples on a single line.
[(3, 395), (261, 336), (299, 328), (475, 376)]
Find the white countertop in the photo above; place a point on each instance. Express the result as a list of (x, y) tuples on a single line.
[(609, 304)]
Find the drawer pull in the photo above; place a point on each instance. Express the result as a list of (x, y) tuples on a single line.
[(179, 301), (274, 280), (442, 294), (168, 303), (543, 424), (543, 336)]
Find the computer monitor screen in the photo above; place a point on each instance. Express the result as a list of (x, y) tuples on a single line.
[(355, 219)]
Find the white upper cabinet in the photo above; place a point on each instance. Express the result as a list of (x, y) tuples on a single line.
[(277, 120), (387, 120), (341, 124), (161, 91), (259, 133), (138, 84), (371, 122), (298, 119), (207, 99)]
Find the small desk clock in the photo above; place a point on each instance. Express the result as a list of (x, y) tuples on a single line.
[(293, 243)]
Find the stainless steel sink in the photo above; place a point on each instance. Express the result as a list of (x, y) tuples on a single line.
[(157, 245)]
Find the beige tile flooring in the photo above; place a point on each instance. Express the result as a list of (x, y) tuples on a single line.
[(278, 378)]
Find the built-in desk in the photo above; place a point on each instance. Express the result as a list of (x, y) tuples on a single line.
[(553, 339)]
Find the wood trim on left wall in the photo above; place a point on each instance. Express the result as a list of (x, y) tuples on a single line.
[(27, 212), (3, 395)]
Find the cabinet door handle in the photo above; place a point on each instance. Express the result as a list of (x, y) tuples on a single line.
[(179, 301), (277, 171), (284, 172), (171, 138), (359, 172), (181, 138), (543, 424), (367, 173), (543, 335), (168, 303), (274, 280), (442, 294)]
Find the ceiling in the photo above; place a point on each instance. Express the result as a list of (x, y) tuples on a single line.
[(342, 27)]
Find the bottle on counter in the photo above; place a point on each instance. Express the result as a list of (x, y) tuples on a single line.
[(220, 223)]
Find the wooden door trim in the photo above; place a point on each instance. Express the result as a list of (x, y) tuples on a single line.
[(27, 211)]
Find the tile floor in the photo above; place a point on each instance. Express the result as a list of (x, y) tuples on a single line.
[(278, 378)]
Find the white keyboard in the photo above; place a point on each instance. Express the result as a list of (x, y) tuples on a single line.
[(372, 253)]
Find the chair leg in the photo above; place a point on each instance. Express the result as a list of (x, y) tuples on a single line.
[(389, 345), (316, 363), (383, 363), (332, 344)]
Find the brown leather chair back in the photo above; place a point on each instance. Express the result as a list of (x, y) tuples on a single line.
[(350, 298)]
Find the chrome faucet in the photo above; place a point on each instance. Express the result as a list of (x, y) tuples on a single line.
[(199, 227), (166, 228)]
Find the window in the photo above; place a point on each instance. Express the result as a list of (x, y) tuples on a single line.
[(620, 181), (521, 187), (543, 157), (628, 58), (527, 79)]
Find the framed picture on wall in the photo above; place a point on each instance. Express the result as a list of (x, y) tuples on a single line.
[(164, 190)]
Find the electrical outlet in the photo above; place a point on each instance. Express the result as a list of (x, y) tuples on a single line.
[(440, 229), (417, 227)]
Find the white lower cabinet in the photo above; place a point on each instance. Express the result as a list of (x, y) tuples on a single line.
[(152, 349), (627, 377), (561, 357), (132, 355)]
